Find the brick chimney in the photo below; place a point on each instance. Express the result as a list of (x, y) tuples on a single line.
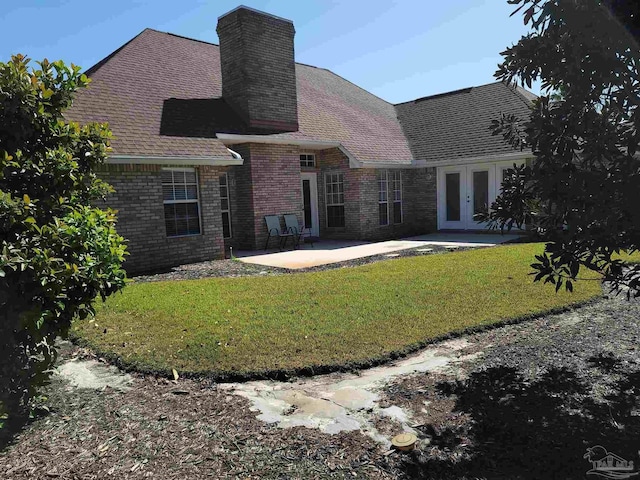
[(258, 68)]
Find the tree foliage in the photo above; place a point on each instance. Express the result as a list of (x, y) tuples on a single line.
[(57, 251), (581, 193)]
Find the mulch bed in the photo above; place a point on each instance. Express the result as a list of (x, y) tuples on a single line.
[(545, 389), (528, 407), (236, 268), (164, 430)]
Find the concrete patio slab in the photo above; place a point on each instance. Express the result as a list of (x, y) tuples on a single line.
[(331, 251)]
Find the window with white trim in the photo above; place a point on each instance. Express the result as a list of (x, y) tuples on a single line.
[(334, 188), (225, 206), (181, 204), (307, 160), (383, 197), (396, 188)]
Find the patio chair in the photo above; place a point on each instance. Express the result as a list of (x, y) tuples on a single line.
[(274, 230), (294, 227)]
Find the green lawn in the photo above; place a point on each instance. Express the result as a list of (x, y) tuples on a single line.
[(250, 325), (630, 258)]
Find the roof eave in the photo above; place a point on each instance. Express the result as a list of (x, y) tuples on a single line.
[(233, 159), (235, 139), (502, 157)]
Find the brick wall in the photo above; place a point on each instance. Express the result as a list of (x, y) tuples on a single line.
[(267, 184), (420, 206), (258, 68), (332, 161), (361, 201), (138, 200), (241, 192), (275, 175)]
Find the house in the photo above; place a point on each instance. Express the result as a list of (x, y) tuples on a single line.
[(209, 139)]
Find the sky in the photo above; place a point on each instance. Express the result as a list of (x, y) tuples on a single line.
[(399, 50)]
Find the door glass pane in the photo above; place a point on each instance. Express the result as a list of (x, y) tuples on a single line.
[(306, 195), (452, 192), (226, 225), (480, 191)]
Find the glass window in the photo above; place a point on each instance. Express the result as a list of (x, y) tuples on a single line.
[(307, 160), (180, 198), (334, 189), (225, 206), (396, 187), (480, 191), (452, 192), (383, 198)]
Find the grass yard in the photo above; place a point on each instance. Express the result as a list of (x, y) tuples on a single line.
[(351, 316)]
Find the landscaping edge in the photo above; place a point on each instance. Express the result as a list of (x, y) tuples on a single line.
[(351, 366)]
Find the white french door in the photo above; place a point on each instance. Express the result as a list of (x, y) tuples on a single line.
[(452, 203), (464, 191), (481, 192)]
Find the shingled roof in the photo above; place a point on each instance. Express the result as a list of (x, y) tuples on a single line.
[(161, 95), (455, 125)]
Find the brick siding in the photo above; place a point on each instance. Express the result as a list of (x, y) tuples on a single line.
[(418, 205), (334, 161), (241, 193), (420, 200), (361, 201), (258, 69), (138, 200), (267, 184)]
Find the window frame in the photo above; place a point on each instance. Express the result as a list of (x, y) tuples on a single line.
[(386, 194), (227, 210), (394, 191), (328, 181), (174, 202), (313, 159)]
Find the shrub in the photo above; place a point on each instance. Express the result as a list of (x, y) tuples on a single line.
[(57, 251)]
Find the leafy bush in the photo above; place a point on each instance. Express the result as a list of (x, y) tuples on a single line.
[(581, 193), (57, 251)]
